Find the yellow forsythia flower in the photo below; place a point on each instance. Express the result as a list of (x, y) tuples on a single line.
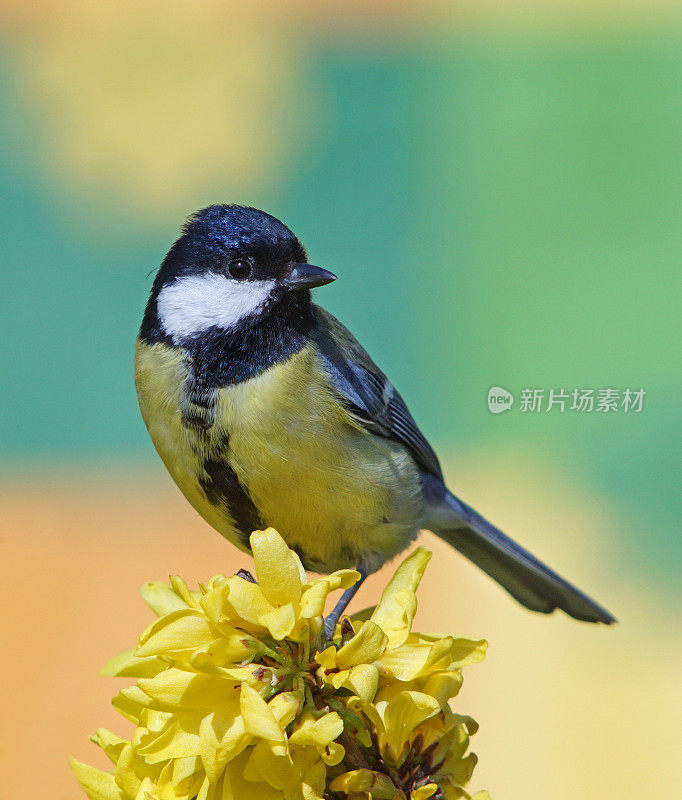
[(239, 697)]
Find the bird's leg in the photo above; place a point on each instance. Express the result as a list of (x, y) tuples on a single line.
[(335, 614)]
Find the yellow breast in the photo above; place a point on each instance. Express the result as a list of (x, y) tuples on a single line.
[(160, 376), (336, 492)]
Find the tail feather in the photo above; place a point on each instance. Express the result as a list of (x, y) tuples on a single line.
[(525, 577)]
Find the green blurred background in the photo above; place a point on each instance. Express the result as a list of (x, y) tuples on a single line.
[(497, 186)]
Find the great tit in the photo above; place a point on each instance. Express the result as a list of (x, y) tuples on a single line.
[(267, 411)]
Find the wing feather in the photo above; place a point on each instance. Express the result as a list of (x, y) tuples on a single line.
[(367, 392)]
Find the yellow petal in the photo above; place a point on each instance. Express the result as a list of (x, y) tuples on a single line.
[(451, 738), (333, 754), (236, 786), (98, 785), (245, 603), (274, 768), (161, 598), (402, 715), (375, 784), (208, 791), (252, 767), (365, 647), (469, 722), (338, 678), (277, 568), (370, 711), (466, 650), (420, 655), (126, 772), (221, 653), (130, 702), (110, 743), (248, 674), (428, 790), (165, 780), (461, 771), (222, 737), (183, 778), (314, 598), (214, 582), (449, 652), (313, 774), (342, 579), (397, 606), (191, 690), (327, 658), (442, 655), (174, 742), (363, 681), (406, 661), (155, 721), (180, 588), (315, 593), (128, 665), (443, 685), (258, 718), (147, 790), (280, 621), (185, 629), (213, 602), (285, 706), (318, 733)]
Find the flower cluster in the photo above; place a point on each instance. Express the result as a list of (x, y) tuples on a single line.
[(240, 697)]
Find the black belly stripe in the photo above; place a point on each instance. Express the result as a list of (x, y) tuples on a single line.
[(222, 487)]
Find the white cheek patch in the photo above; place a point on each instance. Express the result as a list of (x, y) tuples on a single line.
[(196, 303)]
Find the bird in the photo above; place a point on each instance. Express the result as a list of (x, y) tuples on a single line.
[(267, 412)]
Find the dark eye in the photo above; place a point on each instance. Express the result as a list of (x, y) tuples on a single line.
[(239, 268)]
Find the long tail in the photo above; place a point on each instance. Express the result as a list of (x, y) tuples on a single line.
[(526, 578)]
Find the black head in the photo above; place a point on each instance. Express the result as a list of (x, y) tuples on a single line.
[(231, 266)]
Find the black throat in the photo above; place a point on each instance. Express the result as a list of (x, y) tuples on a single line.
[(219, 357)]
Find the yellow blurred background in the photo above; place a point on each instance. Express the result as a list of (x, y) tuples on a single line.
[(498, 186)]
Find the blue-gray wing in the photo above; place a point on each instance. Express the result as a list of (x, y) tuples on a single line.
[(367, 392)]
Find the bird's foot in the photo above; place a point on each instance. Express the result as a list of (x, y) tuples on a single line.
[(334, 615)]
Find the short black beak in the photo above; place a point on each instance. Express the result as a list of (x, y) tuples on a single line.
[(306, 276)]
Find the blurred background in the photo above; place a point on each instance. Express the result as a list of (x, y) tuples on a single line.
[(498, 186)]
